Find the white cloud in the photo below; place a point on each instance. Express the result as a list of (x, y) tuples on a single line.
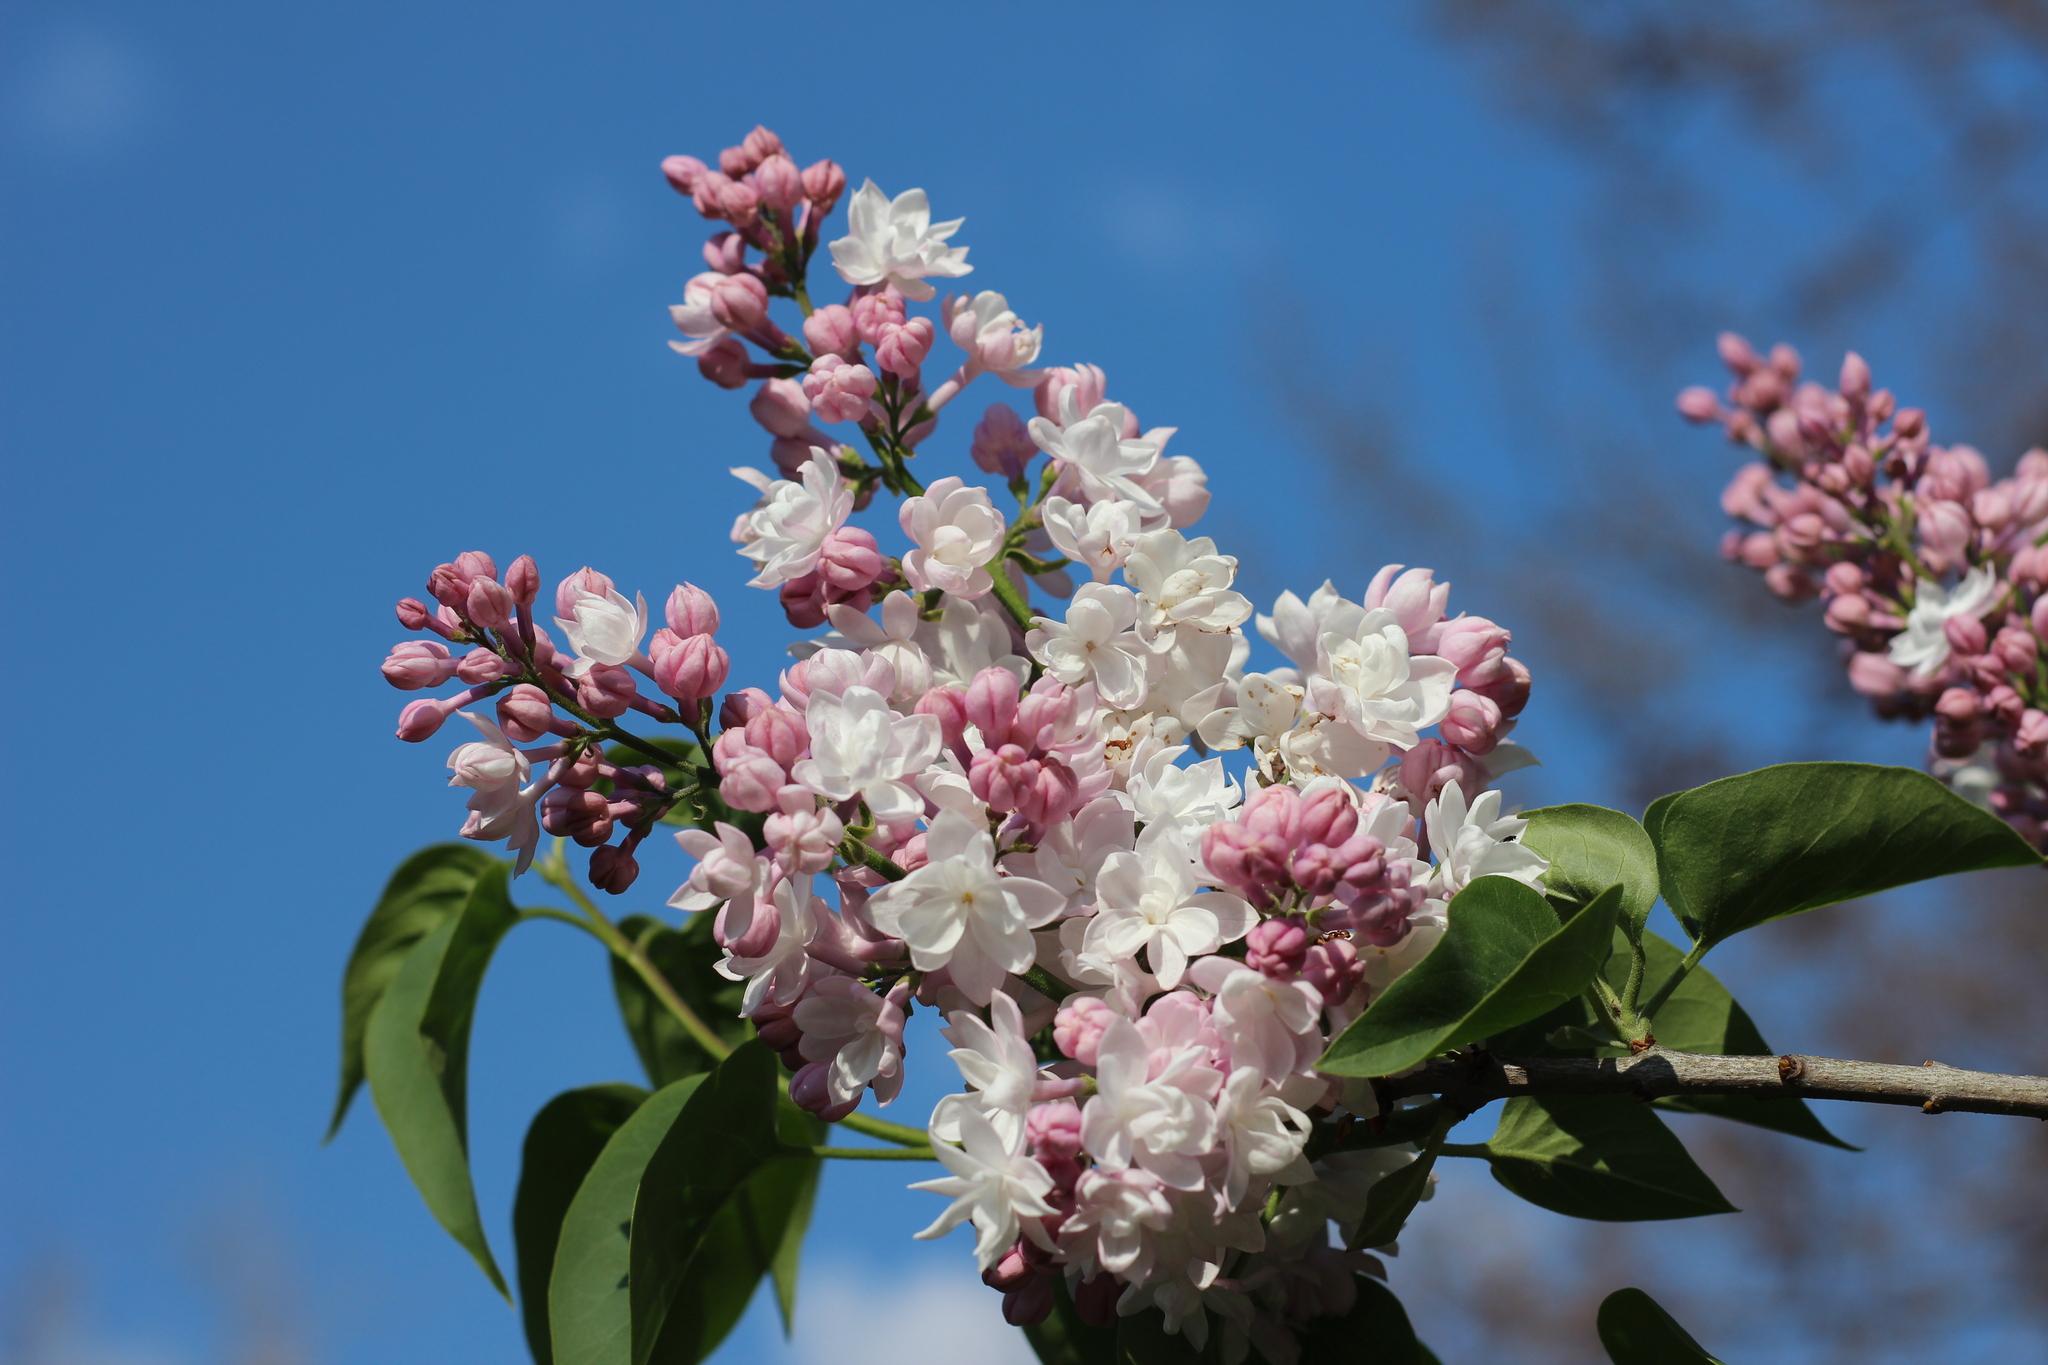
[(941, 1319)]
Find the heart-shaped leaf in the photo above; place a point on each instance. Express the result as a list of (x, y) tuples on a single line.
[(1606, 1157), (562, 1144), (1746, 850), (1503, 960), (416, 1051), (1590, 849), (426, 889), (1636, 1330)]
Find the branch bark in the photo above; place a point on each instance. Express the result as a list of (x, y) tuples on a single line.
[(1477, 1078)]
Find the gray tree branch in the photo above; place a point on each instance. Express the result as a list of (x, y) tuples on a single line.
[(1476, 1078)]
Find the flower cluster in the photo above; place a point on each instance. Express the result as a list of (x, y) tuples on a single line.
[(1932, 572), (1017, 815)]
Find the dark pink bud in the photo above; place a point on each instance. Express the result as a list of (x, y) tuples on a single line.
[(1078, 1027), (572, 812), (804, 600), (708, 194), (2040, 617), (1473, 723), (682, 173), (2031, 735), (1874, 675), (612, 869), (726, 364), (1011, 1272), (1845, 578), (739, 204), (761, 144), (992, 704), (1334, 968), (1966, 634), (1095, 1299), (1958, 706), (780, 183), (606, 691), (1432, 765), (1511, 692), (491, 604), (1848, 613), (1002, 446), (1737, 354), (1256, 865), (1029, 1303), (903, 347), (1698, 404), (824, 182), (777, 1027), (525, 714), (2016, 648), (448, 587), (1855, 384), (1275, 812), (1277, 947), (1327, 817), (734, 161), (413, 614), (807, 1090), (522, 580), (740, 302), (578, 772), (471, 565), (691, 611), (831, 331), (414, 664), (778, 734), (741, 707), (693, 669), (726, 252), (584, 580), (1909, 423)]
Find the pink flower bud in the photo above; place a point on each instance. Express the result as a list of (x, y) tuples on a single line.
[(2004, 703), (1790, 582), (742, 706), (778, 733), (803, 835), (831, 331), (691, 611), (682, 173), (1509, 690), (691, 668), (491, 604), (838, 391), (525, 714), (2016, 648), (421, 719), (872, 313), (949, 704), (1848, 613), (1698, 404), (726, 252), (1277, 948), (780, 406), (1334, 968), (735, 161), (1958, 706), (1945, 530), (605, 691), (413, 614), (1416, 599), (414, 664), (991, 704), (2031, 735), (1855, 382), (584, 580), (761, 144), (726, 364), (1053, 1131), (576, 813), (1737, 354), (1874, 675), (1088, 382), (1078, 1027), (522, 580), (1470, 641), (483, 665), (612, 869), (579, 772), (1012, 1271), (740, 302), (1966, 634), (1002, 446), (849, 561), (1844, 578), (1432, 765), (2040, 617), (1029, 1303), (780, 183), (448, 587), (1473, 723), (903, 347), (808, 1090), (824, 182)]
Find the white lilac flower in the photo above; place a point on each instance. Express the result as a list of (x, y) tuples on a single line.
[(1262, 1134), (860, 747), (1096, 643), (895, 241), (1183, 582), (1163, 796), (604, 629), (1295, 626), (894, 639), (1097, 534), (1072, 852), (1107, 464), (501, 800), (1148, 902), (1269, 1024), (693, 316), (1923, 645), (1137, 1119), (784, 969), (995, 1184), (956, 913), (968, 637), (787, 531), (956, 531), (994, 338), (998, 1065), (1476, 841), (858, 1031), (1365, 675), (1192, 679), (1116, 1215)]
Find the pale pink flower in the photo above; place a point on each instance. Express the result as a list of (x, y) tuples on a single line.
[(895, 241), (787, 531), (957, 532), (995, 1184), (857, 1033)]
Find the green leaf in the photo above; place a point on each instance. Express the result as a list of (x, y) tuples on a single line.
[(798, 1129), (1394, 1195), (589, 1311), (1636, 1330), (1590, 849), (427, 888), (563, 1143), (1375, 1332), (1064, 1339), (1142, 1339), (724, 1134), (685, 957), (1606, 1157), (1746, 850), (416, 1051), (1503, 960)]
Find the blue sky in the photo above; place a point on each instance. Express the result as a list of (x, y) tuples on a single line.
[(301, 302)]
